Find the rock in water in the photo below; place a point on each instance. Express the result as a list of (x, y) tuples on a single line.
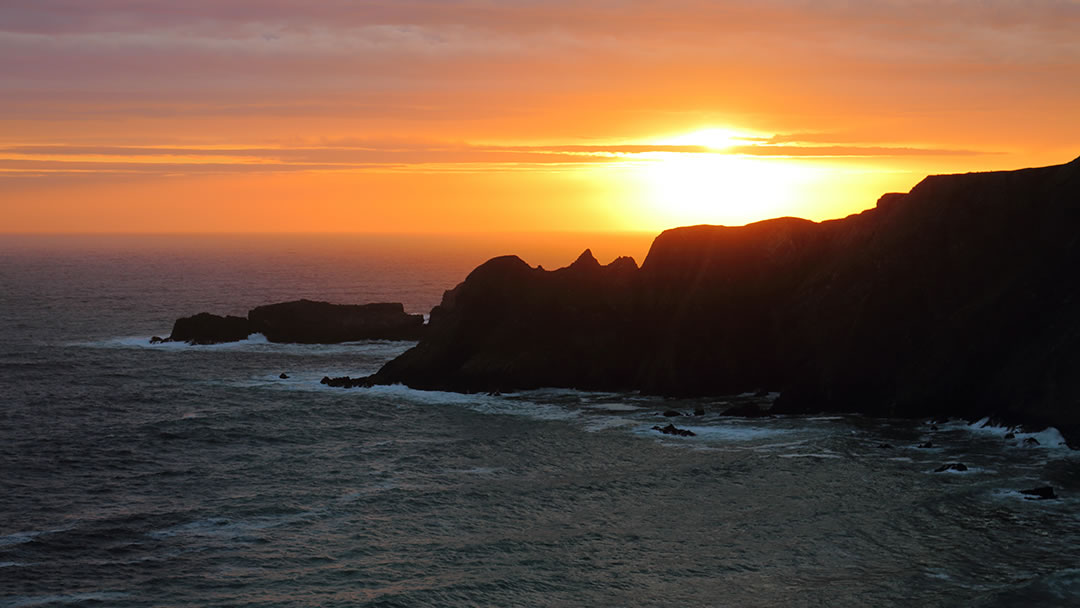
[(205, 328), (1040, 493), (309, 322), (671, 429), (952, 466)]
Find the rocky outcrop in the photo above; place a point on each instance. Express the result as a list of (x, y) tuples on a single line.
[(510, 326), (302, 321), (671, 429), (308, 322), (957, 298), (205, 328)]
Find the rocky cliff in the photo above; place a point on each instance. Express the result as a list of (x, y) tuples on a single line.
[(957, 298)]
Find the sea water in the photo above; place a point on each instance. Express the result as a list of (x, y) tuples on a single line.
[(171, 475)]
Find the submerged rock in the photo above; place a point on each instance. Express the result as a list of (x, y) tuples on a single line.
[(344, 381), (671, 429), (284, 376), (952, 466), (672, 413)]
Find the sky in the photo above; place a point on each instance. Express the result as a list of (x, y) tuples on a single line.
[(515, 115)]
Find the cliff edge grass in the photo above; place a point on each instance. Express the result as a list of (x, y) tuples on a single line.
[(958, 298)]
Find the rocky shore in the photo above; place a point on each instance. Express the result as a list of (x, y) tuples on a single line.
[(955, 299)]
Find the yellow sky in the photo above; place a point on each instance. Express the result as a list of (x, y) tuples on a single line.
[(428, 116)]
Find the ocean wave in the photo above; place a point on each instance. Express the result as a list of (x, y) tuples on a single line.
[(723, 432), (386, 349), (229, 529), (1048, 438), (72, 598), (18, 538)]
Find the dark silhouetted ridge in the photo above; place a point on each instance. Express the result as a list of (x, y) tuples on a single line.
[(956, 298)]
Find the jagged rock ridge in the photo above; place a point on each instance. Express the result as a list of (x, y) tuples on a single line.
[(957, 298)]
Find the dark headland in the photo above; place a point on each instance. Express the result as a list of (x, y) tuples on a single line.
[(959, 298)]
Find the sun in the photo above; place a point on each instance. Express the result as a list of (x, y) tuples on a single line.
[(723, 182), (706, 188), (715, 138)]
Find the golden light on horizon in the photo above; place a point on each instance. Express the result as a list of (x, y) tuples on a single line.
[(708, 188), (714, 138), (560, 116)]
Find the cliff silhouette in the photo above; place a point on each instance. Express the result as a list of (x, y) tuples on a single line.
[(958, 298)]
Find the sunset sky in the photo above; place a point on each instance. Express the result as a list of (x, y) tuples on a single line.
[(427, 116)]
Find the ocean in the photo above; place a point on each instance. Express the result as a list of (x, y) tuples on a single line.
[(166, 475)]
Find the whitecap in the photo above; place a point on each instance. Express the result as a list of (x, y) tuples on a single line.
[(1049, 437)]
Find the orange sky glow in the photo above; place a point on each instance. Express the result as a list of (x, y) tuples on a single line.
[(443, 116)]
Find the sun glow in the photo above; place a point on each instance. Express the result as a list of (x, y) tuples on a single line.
[(721, 188), (714, 138)]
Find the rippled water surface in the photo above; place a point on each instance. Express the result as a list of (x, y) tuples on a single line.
[(168, 475)]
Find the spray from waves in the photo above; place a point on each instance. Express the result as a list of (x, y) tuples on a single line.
[(1048, 438)]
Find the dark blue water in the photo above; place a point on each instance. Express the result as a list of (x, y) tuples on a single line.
[(168, 475)]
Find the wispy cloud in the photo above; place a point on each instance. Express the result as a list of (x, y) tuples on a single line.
[(52, 159)]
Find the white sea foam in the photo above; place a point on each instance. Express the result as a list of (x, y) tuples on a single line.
[(483, 403), (784, 445), (615, 407), (257, 342), (971, 470), (1049, 437), (811, 455)]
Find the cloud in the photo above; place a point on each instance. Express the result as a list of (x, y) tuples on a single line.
[(381, 155)]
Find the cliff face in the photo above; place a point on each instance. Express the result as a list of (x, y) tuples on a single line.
[(958, 298)]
